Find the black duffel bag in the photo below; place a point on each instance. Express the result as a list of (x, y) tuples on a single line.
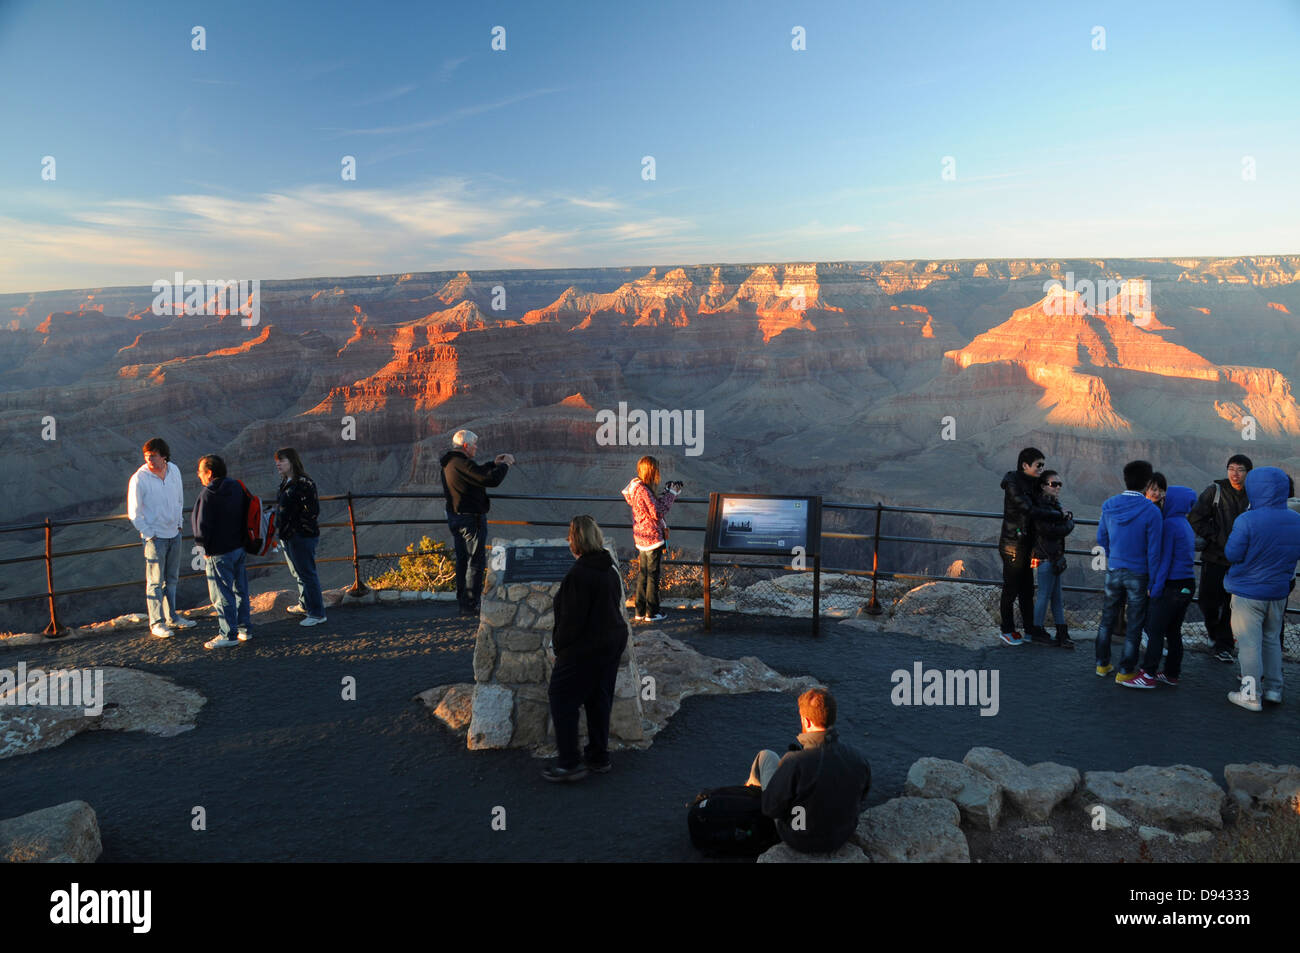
[(730, 821)]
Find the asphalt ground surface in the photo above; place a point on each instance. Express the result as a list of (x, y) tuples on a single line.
[(289, 771)]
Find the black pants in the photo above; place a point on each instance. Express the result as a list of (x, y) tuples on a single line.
[(647, 582), (1017, 584), (1165, 623), (1216, 606), (586, 682)]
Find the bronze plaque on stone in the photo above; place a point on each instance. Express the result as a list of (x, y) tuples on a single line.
[(537, 563)]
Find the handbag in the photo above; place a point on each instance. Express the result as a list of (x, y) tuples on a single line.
[(1059, 565)]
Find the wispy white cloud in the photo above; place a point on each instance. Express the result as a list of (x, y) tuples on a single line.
[(435, 121), (389, 94)]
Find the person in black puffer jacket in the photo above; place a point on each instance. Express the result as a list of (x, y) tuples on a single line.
[(1049, 553), (1021, 505), (589, 637), (297, 507)]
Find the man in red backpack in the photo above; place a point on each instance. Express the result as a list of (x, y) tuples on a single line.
[(220, 521)]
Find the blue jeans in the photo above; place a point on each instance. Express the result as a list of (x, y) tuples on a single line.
[(162, 571), (647, 581), (1133, 585), (228, 588), (1049, 587), (1257, 624), (469, 536), (300, 555)]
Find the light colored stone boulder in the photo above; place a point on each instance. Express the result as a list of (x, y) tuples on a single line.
[(497, 613), (1033, 790), (848, 853), (1264, 786), (492, 719), (1177, 797), (1196, 837), (131, 701), (1111, 818), (65, 833), (453, 705), (485, 657), (977, 797), (913, 830), (1154, 833)]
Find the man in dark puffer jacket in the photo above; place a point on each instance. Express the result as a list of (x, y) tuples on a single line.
[(589, 637), (1020, 507)]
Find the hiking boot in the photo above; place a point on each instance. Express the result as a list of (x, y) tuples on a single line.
[(1250, 704), (1039, 636), (556, 773), (1011, 638), (1124, 678), (599, 767), (1143, 680), (1104, 670), (1164, 679), (1063, 640)]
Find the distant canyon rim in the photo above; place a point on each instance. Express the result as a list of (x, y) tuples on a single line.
[(910, 382)]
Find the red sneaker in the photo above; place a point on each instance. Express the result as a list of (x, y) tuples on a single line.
[(1141, 680)]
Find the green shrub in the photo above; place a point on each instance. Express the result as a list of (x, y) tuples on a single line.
[(428, 568)]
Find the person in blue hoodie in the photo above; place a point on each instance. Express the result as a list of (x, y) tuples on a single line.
[(1129, 532), (1262, 551), (1172, 586)]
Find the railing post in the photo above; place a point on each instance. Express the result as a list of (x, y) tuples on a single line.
[(357, 588), (873, 607), (53, 630)]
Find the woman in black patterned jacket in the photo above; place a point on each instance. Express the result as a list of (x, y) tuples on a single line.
[(296, 509)]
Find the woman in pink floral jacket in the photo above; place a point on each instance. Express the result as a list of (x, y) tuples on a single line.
[(649, 532)]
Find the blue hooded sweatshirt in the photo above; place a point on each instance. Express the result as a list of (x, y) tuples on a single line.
[(1177, 541), (1129, 531), (1265, 540)]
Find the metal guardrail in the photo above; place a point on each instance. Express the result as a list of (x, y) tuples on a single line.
[(875, 573)]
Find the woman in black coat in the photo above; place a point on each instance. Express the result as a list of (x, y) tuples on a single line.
[(589, 637), (1020, 507)]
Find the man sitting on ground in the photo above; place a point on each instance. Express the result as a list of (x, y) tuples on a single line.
[(816, 792)]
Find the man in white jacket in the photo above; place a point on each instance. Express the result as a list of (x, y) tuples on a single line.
[(154, 501)]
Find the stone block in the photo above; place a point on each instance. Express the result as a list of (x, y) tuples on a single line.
[(1179, 797), (977, 796), (913, 830), (1033, 790), (65, 833), (485, 656), (497, 613), (848, 853), (519, 667), (520, 640), (524, 617), (517, 592), (492, 720)]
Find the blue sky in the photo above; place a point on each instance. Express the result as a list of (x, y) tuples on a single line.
[(226, 162)]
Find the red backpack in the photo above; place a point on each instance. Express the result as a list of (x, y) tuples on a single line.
[(259, 525)]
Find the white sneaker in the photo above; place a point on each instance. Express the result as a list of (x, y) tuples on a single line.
[(1250, 704), (160, 631), (1273, 697), (219, 643), (312, 620), (657, 617), (180, 622), (243, 635), (296, 610)]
